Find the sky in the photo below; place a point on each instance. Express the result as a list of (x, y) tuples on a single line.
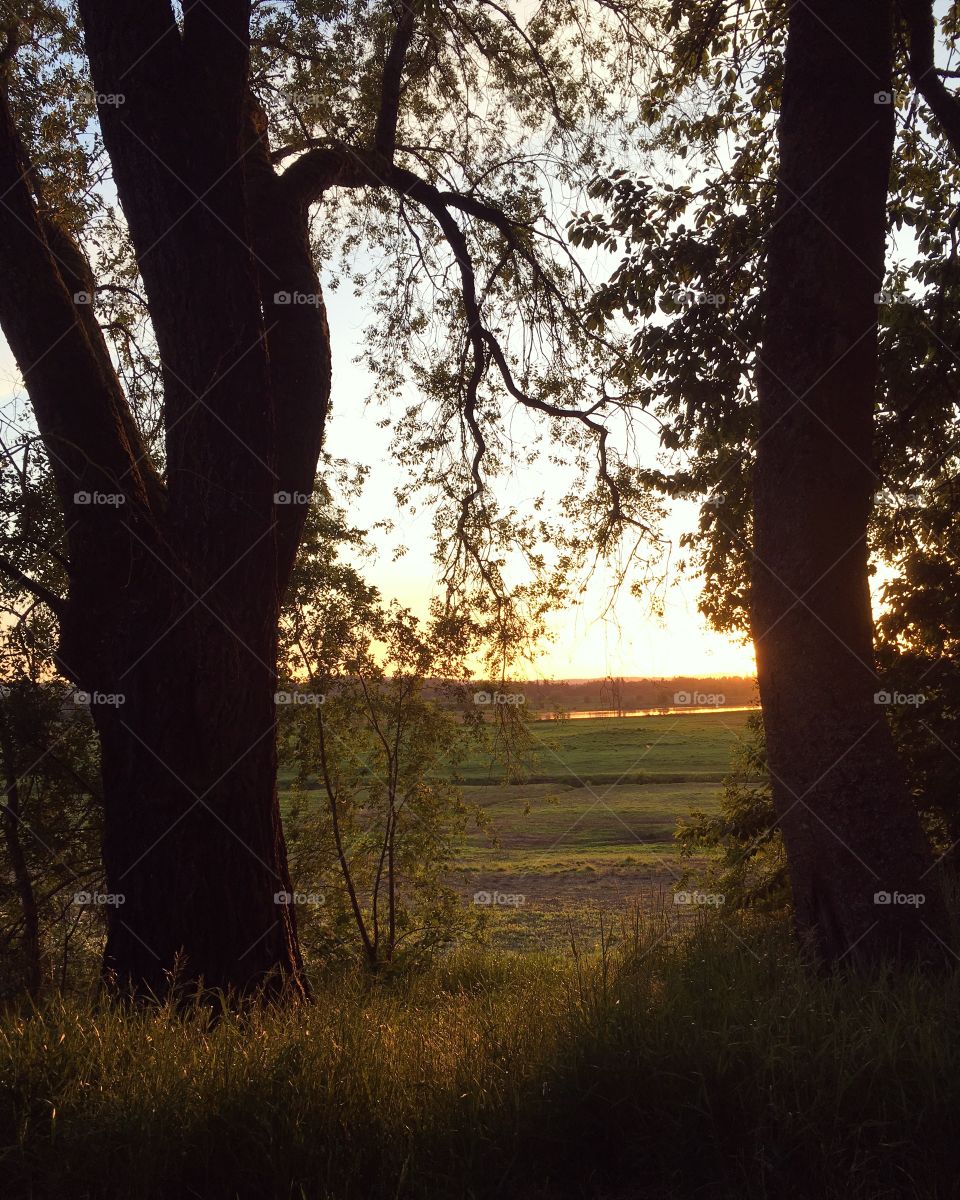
[(629, 641), (596, 638)]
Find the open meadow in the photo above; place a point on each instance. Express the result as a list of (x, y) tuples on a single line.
[(588, 830), (592, 832)]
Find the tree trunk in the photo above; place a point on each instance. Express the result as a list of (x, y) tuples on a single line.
[(850, 829), (176, 580), (193, 845)]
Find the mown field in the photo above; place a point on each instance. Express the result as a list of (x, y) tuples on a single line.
[(592, 830), (620, 750)]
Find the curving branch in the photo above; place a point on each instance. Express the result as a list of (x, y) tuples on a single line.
[(919, 18), (338, 165), (48, 597)]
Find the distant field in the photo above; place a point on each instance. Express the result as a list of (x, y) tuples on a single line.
[(677, 747), (590, 830)]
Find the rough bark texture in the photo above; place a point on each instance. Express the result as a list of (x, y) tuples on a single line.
[(175, 589), (849, 826)]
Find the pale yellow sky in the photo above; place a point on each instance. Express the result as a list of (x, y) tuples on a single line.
[(628, 641)]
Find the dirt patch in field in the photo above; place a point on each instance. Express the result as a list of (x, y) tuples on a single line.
[(561, 890)]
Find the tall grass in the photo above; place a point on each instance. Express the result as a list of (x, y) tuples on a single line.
[(712, 1066)]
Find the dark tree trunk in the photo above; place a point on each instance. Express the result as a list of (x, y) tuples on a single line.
[(175, 585), (848, 823), (193, 841)]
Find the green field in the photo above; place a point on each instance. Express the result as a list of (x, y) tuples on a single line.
[(591, 831), (668, 748)]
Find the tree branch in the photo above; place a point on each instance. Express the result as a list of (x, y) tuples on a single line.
[(945, 106), (81, 411), (385, 134), (54, 602)]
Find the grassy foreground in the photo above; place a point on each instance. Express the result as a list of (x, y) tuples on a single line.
[(712, 1066)]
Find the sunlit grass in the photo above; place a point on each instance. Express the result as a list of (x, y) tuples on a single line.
[(715, 1065)]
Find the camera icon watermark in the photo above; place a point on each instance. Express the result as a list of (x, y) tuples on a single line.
[(499, 899), (911, 699), (99, 899), (300, 698), (99, 499), (691, 298), (311, 898), (292, 498), (710, 899), (310, 299), (515, 699), (107, 699), (910, 899), (699, 699)]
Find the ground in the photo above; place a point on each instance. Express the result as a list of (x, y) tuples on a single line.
[(595, 833), (589, 832)]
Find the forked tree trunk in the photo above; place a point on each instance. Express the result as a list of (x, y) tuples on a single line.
[(175, 581), (851, 832)]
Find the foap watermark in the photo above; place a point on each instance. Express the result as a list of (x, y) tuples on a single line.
[(99, 499), (888, 298), (883, 97), (292, 498), (499, 899), (83, 298), (312, 898), (107, 699), (300, 698), (712, 899), (5, 692), (502, 698), (99, 899), (912, 699), (700, 699), (109, 99), (911, 899), (311, 299), (691, 298)]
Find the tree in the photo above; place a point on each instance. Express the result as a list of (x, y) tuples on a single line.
[(778, 255), (379, 813), (182, 521), (850, 830)]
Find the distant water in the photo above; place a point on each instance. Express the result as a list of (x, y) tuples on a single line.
[(588, 713)]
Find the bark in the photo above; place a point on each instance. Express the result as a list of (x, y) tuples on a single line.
[(849, 826), (174, 590), (193, 840)]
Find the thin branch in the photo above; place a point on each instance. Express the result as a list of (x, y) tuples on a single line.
[(54, 602), (385, 134)]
